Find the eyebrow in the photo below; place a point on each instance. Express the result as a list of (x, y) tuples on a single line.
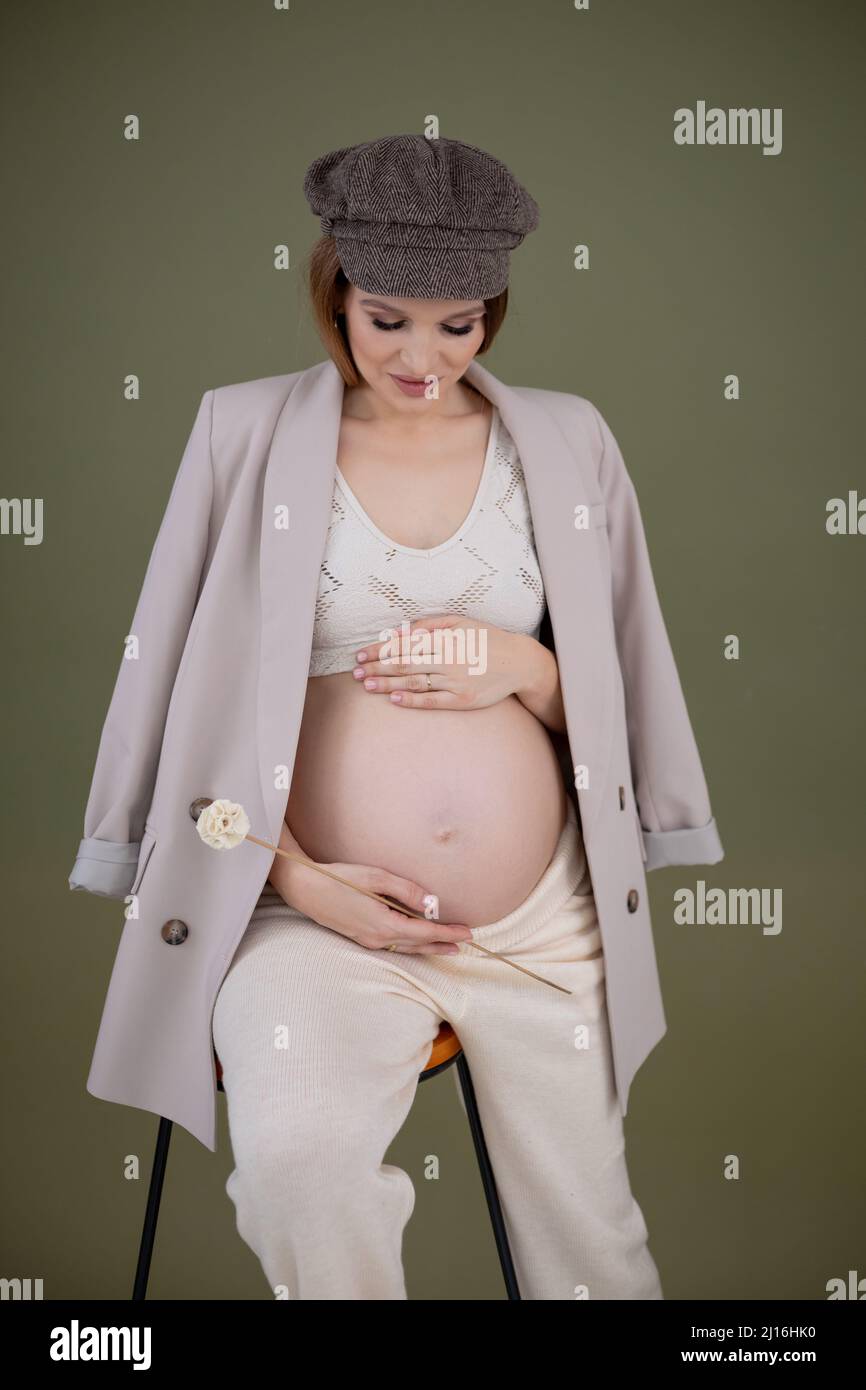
[(392, 309)]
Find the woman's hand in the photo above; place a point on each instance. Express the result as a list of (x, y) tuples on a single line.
[(369, 923), (470, 664)]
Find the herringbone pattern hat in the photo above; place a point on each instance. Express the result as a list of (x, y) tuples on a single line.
[(421, 218)]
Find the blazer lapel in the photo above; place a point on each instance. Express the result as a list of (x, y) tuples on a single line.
[(299, 479), (298, 488), (558, 481)]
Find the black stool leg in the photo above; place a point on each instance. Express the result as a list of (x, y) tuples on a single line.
[(148, 1235), (487, 1179)]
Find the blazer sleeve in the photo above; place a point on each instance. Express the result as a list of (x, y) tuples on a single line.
[(670, 787), (130, 743)]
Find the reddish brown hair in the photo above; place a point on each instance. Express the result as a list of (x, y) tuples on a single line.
[(326, 286)]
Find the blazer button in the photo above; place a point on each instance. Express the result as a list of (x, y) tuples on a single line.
[(632, 900), (197, 806), (175, 932)]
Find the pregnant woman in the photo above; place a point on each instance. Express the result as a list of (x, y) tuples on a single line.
[(432, 780)]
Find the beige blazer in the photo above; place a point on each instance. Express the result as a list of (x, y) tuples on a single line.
[(211, 702)]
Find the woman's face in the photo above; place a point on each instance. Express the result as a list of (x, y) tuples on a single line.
[(411, 338)]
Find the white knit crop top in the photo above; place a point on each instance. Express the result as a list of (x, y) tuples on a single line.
[(487, 570)]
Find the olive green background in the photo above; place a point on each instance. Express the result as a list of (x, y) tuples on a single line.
[(155, 257)]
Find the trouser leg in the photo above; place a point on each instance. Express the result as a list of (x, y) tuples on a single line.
[(321, 1048), (542, 1071)]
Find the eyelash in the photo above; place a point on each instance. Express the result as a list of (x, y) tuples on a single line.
[(455, 332)]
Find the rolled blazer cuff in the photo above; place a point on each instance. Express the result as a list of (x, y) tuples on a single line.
[(105, 867), (667, 847)]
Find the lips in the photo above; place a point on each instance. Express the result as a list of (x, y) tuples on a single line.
[(412, 380)]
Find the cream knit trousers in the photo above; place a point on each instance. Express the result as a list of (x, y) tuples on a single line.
[(322, 1042)]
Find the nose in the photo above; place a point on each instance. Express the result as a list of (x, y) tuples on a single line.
[(416, 364), (417, 355)]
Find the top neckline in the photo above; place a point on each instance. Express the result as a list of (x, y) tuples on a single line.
[(467, 520)]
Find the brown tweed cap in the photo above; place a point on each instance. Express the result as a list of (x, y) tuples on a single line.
[(421, 218)]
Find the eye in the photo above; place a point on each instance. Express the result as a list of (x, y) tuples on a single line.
[(389, 327)]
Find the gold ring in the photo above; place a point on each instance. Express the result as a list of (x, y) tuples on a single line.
[(429, 682), (391, 948)]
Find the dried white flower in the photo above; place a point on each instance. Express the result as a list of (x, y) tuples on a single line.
[(223, 824)]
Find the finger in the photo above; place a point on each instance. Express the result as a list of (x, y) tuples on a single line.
[(424, 948), (428, 624), (434, 948), (408, 892), (392, 663), (410, 680), (405, 890), (409, 658), (414, 932), (380, 671), (400, 647), (432, 699)]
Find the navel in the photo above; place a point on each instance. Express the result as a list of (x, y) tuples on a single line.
[(444, 834)]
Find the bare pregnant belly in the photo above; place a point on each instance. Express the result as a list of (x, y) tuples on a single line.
[(467, 803)]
